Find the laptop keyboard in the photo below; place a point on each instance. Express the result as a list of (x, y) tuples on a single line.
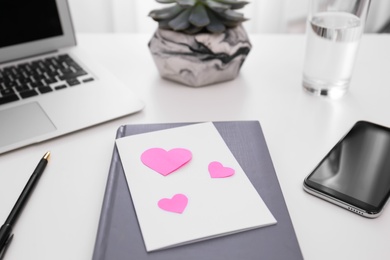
[(39, 77)]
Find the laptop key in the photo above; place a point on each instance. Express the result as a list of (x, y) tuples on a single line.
[(72, 75), (44, 89), (28, 93), (22, 88), (50, 81), (73, 82), (60, 87), (7, 91), (8, 98), (64, 57), (88, 80)]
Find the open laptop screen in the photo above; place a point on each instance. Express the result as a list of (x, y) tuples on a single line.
[(26, 21), (32, 27)]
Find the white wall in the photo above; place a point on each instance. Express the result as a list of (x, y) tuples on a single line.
[(266, 16), (132, 15)]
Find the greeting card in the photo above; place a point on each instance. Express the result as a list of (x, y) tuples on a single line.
[(186, 186)]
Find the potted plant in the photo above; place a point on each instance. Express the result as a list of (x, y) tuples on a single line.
[(199, 42)]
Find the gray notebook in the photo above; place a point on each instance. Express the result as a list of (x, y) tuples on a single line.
[(119, 236)]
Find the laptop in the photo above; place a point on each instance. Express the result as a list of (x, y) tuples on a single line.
[(48, 86)]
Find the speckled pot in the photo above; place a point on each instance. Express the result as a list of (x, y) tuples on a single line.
[(200, 59)]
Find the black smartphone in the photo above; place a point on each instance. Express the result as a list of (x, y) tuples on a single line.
[(355, 174)]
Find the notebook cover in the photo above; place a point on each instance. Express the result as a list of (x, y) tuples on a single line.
[(119, 236)]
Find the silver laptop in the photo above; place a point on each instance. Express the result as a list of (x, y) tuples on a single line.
[(48, 87)]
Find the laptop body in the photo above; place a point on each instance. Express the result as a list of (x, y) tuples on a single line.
[(39, 30)]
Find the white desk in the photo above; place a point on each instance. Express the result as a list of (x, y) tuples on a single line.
[(61, 218)]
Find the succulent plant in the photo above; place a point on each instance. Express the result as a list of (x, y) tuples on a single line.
[(194, 16)]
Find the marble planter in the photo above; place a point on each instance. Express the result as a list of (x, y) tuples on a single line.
[(200, 59)]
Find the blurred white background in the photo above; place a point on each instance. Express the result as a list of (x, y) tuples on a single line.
[(266, 16)]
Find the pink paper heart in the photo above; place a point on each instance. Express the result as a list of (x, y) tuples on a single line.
[(166, 162), (176, 204), (217, 170)]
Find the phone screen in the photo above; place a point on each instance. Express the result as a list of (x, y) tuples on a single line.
[(357, 169)]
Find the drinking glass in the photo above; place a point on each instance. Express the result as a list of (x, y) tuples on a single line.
[(334, 29)]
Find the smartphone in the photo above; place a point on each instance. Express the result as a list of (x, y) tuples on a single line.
[(355, 174)]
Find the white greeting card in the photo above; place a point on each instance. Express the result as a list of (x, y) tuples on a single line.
[(186, 186)]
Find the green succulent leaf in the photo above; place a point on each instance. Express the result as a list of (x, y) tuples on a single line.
[(233, 16), (186, 3), (239, 5), (227, 2), (215, 25), (228, 23), (164, 25), (193, 29), (234, 4), (165, 13), (194, 16), (199, 16), (219, 7), (181, 22), (166, 1)]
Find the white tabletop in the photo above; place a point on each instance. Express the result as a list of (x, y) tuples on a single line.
[(61, 218)]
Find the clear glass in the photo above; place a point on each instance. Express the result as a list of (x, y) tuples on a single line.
[(334, 29)]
